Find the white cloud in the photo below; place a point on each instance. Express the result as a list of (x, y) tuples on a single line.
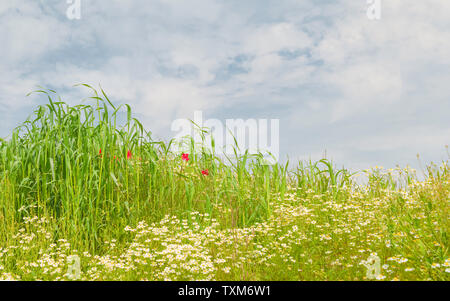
[(169, 58), (26, 35), (270, 38), (365, 87), (412, 138)]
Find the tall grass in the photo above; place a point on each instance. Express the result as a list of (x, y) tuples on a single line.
[(93, 176), (72, 163)]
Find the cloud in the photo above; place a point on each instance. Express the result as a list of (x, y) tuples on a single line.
[(336, 80), (376, 64), (26, 36)]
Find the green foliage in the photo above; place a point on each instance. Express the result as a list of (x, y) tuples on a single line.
[(74, 177)]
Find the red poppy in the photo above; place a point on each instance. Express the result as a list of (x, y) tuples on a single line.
[(129, 155), (205, 172), (185, 157), (100, 152)]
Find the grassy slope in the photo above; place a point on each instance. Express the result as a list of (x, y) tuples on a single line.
[(137, 211)]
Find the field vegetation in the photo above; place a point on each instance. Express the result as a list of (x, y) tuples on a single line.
[(76, 181)]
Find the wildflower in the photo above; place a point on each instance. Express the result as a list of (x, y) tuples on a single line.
[(205, 172), (402, 260), (185, 157), (129, 155), (435, 265)]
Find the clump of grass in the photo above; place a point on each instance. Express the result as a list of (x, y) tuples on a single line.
[(76, 180)]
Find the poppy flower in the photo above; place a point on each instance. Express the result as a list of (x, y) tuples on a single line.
[(129, 155), (205, 172), (185, 157)]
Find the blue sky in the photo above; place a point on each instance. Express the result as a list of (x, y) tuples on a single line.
[(366, 92)]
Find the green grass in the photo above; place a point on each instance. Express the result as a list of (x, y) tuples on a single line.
[(137, 211)]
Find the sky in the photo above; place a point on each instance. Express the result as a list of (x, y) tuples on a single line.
[(364, 92)]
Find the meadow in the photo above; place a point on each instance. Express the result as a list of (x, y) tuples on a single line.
[(74, 181)]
